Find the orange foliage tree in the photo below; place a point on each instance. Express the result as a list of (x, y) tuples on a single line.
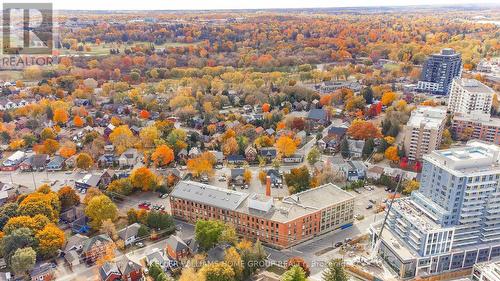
[(362, 130), (162, 155)]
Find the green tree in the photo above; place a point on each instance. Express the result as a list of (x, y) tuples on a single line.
[(155, 270), (159, 220), (368, 148), (18, 238), (367, 93), (100, 208), (295, 273), (23, 260), (344, 148), (313, 156), (335, 271), (207, 233)]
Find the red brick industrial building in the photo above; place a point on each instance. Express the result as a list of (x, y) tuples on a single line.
[(279, 223)]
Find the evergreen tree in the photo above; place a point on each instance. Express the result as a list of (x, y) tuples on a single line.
[(335, 271), (367, 94), (344, 148), (368, 148)]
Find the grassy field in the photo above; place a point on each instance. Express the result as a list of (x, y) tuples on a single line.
[(10, 75), (103, 49)]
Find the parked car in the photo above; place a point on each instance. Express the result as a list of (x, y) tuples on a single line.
[(222, 178), (139, 244), (218, 166), (338, 244), (164, 195), (145, 206), (369, 207)]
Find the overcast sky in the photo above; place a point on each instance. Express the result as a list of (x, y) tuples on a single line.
[(234, 4)]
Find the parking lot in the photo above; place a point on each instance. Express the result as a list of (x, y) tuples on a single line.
[(362, 201)]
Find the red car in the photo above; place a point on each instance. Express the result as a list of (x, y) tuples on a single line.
[(145, 206)]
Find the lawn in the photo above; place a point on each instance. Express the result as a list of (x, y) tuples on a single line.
[(103, 49)]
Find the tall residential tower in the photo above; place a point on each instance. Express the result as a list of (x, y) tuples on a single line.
[(439, 70), (453, 221)]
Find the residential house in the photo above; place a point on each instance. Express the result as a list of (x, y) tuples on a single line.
[(130, 270), (107, 160), (219, 156), (87, 181), (129, 158), (374, 172), (355, 148), (318, 116), (109, 272), (354, 170), (236, 159), (107, 177), (276, 177), (56, 163), (177, 248), (156, 256), (5, 276), (42, 272), (193, 152), (250, 153), (13, 161), (36, 162), (129, 234), (75, 243), (95, 248), (237, 177), (268, 153), (295, 158)]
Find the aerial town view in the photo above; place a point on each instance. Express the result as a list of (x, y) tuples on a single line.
[(250, 140)]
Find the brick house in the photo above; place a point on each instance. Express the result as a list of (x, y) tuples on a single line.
[(95, 248), (176, 248)]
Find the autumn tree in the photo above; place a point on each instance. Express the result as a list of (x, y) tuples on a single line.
[(144, 179), (299, 179), (391, 153), (121, 186), (230, 146), (362, 130), (49, 146), (84, 161), (300, 262), (202, 164), (68, 149), (285, 146), (162, 155), (219, 271), (148, 136), (108, 227), (78, 121), (247, 176), (410, 185), (60, 116), (68, 197), (233, 259), (99, 209), (122, 138), (388, 98), (50, 240)]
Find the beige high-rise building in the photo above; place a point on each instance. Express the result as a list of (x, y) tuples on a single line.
[(423, 132), (469, 96)]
